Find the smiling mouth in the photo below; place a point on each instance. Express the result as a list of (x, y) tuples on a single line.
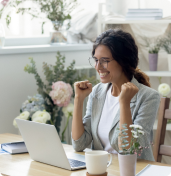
[(102, 75)]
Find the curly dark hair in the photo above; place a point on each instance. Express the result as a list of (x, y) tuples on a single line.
[(124, 51)]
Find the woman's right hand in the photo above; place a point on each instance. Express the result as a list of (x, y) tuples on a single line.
[(82, 89)]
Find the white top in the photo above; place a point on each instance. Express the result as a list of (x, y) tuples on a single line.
[(110, 109)]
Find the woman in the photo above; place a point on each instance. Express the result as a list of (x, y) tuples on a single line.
[(126, 98)]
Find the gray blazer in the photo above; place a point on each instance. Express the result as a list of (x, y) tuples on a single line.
[(144, 106)]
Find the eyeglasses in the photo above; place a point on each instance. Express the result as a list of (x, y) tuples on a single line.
[(103, 62)]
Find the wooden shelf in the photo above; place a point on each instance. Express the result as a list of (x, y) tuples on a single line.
[(158, 73)]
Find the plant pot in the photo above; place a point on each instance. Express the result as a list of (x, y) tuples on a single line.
[(2, 36), (153, 60), (169, 61), (58, 34), (127, 164)]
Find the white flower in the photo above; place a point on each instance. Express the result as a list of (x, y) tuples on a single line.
[(68, 109), (24, 115), (134, 132), (39, 120), (141, 132), (41, 116), (135, 136), (15, 123), (164, 89), (136, 126)]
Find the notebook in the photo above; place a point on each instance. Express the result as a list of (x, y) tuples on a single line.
[(14, 147), (155, 170)]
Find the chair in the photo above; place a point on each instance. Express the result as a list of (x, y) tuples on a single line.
[(164, 114)]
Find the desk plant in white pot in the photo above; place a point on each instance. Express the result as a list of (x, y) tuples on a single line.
[(128, 157), (153, 45)]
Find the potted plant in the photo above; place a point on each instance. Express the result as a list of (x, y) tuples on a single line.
[(57, 11), (153, 46), (128, 157), (166, 45)]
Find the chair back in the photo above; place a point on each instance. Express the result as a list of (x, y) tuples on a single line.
[(164, 114)]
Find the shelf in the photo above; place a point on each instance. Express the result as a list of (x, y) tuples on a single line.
[(158, 73), (44, 48), (135, 21)]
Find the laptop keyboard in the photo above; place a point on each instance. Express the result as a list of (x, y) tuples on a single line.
[(76, 163)]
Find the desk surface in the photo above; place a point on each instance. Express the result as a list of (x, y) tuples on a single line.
[(23, 165)]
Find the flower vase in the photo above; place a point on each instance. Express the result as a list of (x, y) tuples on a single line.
[(153, 60), (169, 61), (127, 164), (58, 34), (2, 36)]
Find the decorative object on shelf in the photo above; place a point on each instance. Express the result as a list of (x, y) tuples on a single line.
[(164, 90), (166, 45), (59, 32), (144, 14), (153, 46), (54, 94), (57, 11), (128, 157), (2, 35), (153, 61)]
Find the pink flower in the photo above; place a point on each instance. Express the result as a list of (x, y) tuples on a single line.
[(4, 2), (135, 152), (61, 93), (139, 154)]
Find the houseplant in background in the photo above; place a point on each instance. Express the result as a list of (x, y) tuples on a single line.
[(166, 45), (55, 94), (153, 46), (57, 11), (128, 157)]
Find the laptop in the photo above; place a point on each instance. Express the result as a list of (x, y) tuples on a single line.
[(44, 145)]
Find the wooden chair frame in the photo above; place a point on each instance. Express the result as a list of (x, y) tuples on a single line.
[(163, 115)]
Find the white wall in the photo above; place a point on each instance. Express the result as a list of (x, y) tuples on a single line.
[(16, 85)]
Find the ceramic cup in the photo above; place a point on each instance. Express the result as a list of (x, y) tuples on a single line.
[(97, 162)]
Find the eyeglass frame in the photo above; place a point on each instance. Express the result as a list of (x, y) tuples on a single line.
[(99, 60)]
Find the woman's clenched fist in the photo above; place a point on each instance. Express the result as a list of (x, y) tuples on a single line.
[(82, 89)]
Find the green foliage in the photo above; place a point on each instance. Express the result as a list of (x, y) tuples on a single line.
[(54, 73), (135, 140)]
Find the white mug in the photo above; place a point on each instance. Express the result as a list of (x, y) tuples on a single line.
[(97, 161)]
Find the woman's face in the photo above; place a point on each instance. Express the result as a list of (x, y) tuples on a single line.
[(113, 72)]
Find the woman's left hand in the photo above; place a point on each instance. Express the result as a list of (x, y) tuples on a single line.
[(128, 90)]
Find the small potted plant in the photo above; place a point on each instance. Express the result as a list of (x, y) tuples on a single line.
[(166, 45), (128, 157), (57, 11), (153, 46)]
